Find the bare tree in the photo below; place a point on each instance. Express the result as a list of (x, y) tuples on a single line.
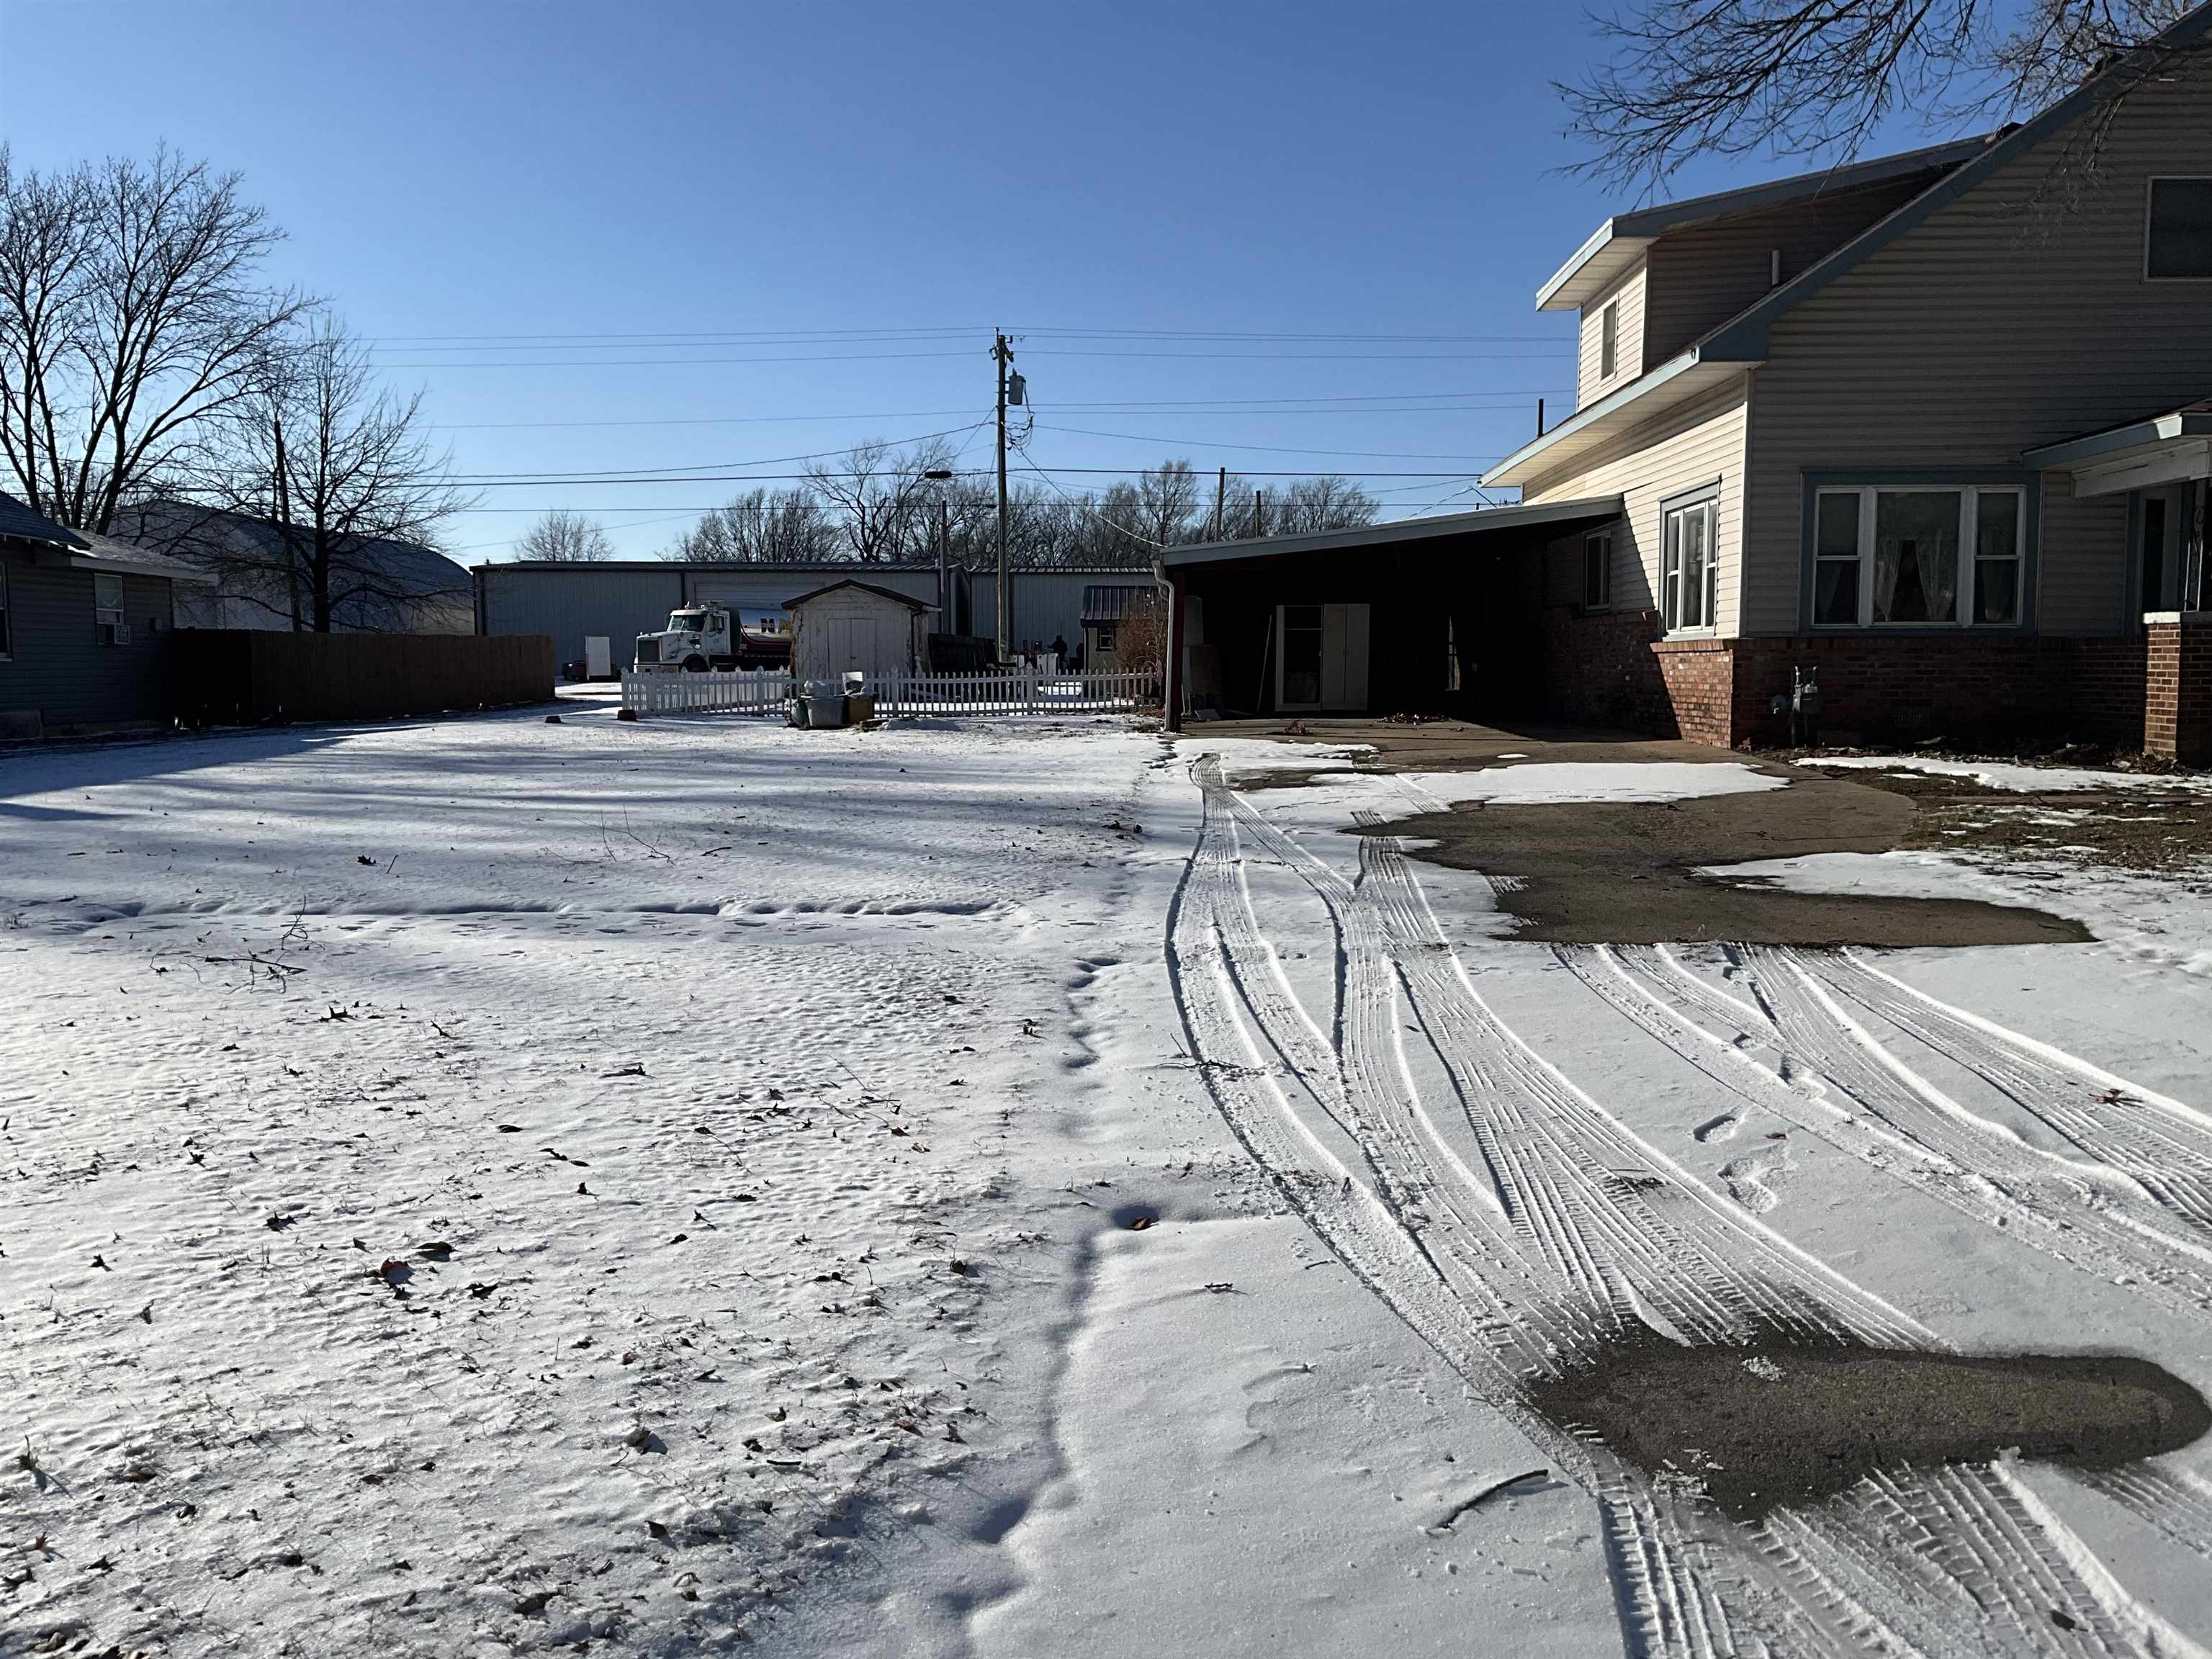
[(1315, 504), (879, 495), (762, 526), (336, 469), (561, 537), (1801, 77), (1168, 497), (132, 322)]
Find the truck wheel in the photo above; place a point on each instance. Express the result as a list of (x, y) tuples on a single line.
[(695, 664)]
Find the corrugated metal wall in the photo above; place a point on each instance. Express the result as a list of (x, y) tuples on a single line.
[(570, 601), (624, 599), (1048, 603)]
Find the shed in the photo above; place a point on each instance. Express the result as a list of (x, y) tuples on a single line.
[(1106, 606), (852, 626)]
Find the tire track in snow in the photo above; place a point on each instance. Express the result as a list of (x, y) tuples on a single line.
[(1583, 1190), (2162, 1145), (1830, 1083)]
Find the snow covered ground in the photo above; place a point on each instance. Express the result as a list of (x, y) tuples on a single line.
[(993, 1188)]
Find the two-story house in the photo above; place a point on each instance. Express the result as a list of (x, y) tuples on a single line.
[(1932, 429)]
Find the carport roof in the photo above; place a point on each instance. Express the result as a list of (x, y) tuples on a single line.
[(1399, 532)]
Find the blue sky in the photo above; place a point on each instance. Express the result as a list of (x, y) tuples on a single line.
[(454, 175)]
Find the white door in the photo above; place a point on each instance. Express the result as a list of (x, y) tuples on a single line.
[(1320, 656)]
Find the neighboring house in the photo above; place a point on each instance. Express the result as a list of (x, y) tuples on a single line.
[(377, 586), (1929, 427), (84, 628), (1105, 608), (856, 627)]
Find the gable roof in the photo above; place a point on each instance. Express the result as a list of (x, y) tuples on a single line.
[(906, 600), (19, 523), (1740, 343), (1620, 240)]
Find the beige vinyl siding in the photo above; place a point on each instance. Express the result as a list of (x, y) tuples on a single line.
[(2015, 316), (1628, 294), (1694, 446), (1701, 275)]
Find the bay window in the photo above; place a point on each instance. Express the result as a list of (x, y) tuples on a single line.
[(1919, 556), (1689, 573)]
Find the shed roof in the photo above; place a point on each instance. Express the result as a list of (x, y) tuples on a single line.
[(1104, 604), (906, 600)]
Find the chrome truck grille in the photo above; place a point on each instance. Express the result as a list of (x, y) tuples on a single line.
[(648, 649)]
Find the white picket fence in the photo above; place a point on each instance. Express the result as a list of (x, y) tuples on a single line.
[(739, 690), (766, 691)]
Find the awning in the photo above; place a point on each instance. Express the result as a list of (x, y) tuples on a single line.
[(2169, 448), (1401, 532)]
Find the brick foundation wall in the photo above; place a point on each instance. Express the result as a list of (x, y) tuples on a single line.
[(1612, 669), (1700, 676), (2177, 689), (1958, 688), (1599, 670)]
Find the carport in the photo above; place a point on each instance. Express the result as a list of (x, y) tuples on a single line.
[(1424, 616)]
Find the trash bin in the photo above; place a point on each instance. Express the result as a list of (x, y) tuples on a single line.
[(824, 713)]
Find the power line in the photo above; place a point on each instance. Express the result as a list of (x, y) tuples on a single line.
[(1271, 449), (766, 337), (1270, 406), (1035, 351), (680, 363), (715, 506), (572, 482), (676, 474)]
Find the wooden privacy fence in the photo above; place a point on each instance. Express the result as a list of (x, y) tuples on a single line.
[(250, 677), (760, 691)]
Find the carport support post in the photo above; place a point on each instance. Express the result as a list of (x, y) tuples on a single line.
[(1171, 698)]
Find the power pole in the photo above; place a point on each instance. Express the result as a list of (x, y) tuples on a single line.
[(1220, 499), (1006, 592)]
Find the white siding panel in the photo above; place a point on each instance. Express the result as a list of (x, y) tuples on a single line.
[(1692, 445), (2015, 316), (1628, 293)]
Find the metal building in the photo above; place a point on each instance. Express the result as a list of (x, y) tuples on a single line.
[(621, 599)]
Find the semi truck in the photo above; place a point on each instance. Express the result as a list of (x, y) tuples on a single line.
[(699, 637)]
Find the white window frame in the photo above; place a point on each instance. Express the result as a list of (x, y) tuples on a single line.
[(2150, 195), (1599, 542), (1970, 496), (7, 630), (1671, 610), (1608, 340), (109, 625)]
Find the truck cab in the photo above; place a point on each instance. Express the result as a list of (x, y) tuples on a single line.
[(699, 637)]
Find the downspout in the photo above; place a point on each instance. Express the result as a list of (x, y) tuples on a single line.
[(1172, 696)]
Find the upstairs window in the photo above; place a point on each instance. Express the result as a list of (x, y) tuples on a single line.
[(2178, 242), (1608, 341), (1916, 556), (1597, 571), (6, 643), (1689, 577)]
